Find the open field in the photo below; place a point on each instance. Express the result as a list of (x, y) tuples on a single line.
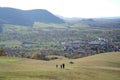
[(98, 67)]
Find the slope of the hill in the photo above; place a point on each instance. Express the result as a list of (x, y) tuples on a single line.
[(101, 60), (26, 17), (98, 67)]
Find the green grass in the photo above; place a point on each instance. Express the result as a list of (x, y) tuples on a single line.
[(14, 28), (48, 26), (98, 67), (11, 43), (9, 59)]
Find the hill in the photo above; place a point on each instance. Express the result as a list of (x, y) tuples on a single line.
[(101, 60), (26, 17), (98, 67), (102, 22)]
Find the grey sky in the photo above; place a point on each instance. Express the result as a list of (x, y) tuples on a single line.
[(69, 8)]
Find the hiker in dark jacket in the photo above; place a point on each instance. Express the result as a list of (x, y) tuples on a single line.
[(63, 65)]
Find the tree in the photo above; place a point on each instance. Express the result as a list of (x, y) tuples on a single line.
[(2, 52)]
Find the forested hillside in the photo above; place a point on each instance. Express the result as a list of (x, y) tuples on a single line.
[(26, 17)]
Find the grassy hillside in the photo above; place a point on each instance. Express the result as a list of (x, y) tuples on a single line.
[(98, 67)]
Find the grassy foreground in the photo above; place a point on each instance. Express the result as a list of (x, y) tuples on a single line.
[(98, 67)]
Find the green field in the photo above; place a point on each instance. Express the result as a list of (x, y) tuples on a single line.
[(98, 67), (9, 59)]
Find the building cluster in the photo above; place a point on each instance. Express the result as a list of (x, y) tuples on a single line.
[(100, 45)]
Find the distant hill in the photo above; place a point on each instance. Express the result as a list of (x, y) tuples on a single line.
[(106, 22), (26, 17), (103, 22)]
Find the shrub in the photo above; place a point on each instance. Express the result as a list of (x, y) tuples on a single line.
[(34, 56), (53, 58), (71, 62), (39, 56)]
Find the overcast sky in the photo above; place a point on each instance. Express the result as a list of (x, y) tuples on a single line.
[(69, 8)]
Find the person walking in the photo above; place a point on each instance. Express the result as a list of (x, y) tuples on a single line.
[(63, 65), (56, 65)]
